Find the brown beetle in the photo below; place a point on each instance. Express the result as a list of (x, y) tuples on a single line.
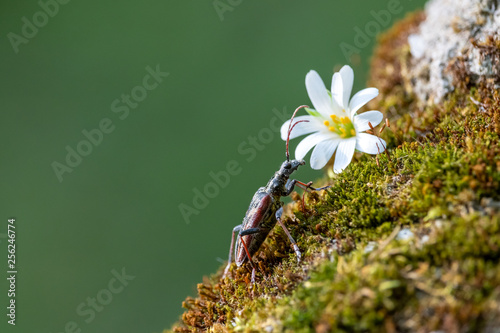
[(266, 209)]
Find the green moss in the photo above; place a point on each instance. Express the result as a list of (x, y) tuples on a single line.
[(440, 180)]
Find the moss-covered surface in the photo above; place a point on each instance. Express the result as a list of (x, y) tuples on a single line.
[(408, 241)]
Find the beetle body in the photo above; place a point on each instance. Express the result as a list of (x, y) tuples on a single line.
[(259, 215), (265, 211), (262, 211)]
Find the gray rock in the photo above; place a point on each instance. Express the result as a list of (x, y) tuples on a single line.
[(452, 37)]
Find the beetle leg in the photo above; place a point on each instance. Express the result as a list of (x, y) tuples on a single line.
[(291, 183), (231, 249), (245, 232), (294, 244), (249, 231), (248, 254), (308, 186), (237, 229)]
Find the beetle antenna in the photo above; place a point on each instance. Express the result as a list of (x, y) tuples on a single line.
[(288, 138), (290, 128)]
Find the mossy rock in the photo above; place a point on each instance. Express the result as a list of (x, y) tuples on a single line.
[(407, 241)]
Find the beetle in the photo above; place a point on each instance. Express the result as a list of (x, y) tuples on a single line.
[(266, 209)]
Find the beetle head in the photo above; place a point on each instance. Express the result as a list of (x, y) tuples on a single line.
[(288, 167)]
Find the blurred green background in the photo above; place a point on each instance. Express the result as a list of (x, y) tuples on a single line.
[(119, 207)]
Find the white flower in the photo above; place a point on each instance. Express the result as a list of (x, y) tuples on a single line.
[(334, 124)]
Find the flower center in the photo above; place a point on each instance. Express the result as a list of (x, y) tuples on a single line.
[(341, 126)]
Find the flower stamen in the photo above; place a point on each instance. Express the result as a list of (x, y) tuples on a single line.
[(335, 119), (345, 120), (341, 126)]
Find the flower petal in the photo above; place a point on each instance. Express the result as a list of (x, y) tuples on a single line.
[(361, 120), (318, 94), (361, 98), (347, 75), (300, 128), (344, 154), (370, 144), (323, 152), (338, 90), (308, 142)]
